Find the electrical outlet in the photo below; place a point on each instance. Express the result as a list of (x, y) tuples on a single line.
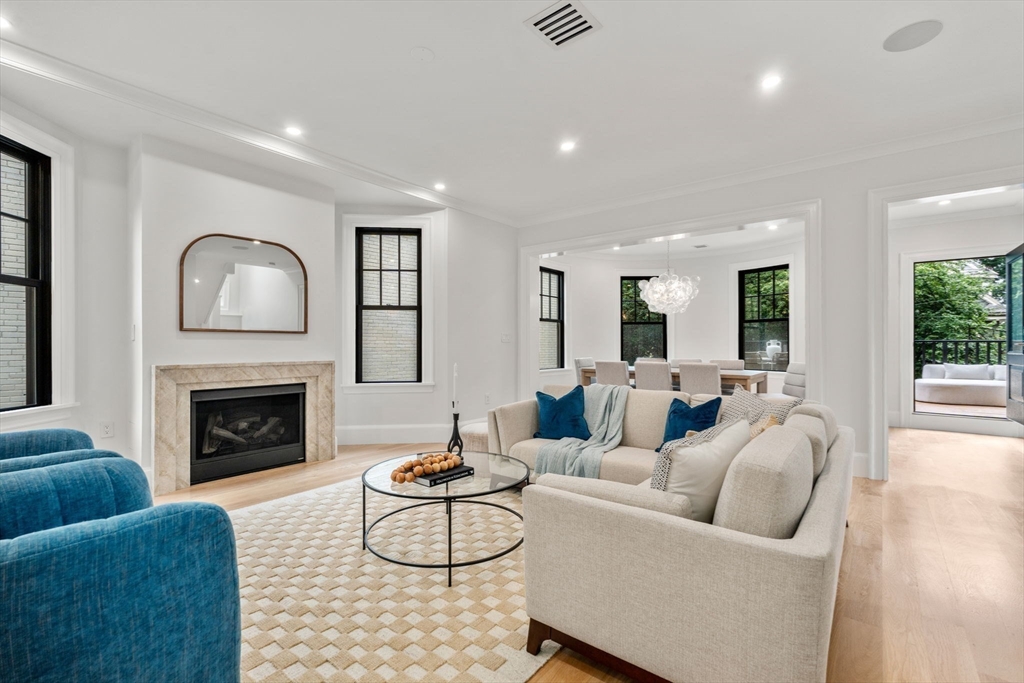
[(506, 338), (487, 399), (106, 430)]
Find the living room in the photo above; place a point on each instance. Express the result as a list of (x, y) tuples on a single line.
[(405, 174)]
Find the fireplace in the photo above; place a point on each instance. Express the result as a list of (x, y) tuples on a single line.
[(245, 429)]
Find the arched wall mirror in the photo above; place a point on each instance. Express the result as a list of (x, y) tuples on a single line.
[(239, 284)]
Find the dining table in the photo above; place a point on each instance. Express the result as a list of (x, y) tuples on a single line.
[(745, 378)]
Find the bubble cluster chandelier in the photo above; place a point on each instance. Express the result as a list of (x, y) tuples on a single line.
[(668, 293)]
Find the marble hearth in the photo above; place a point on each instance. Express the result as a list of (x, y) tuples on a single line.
[(172, 392)]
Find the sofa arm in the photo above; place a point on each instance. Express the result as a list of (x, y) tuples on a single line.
[(681, 599), (46, 459), (147, 596), (40, 441), (47, 497), (625, 494), (516, 422)]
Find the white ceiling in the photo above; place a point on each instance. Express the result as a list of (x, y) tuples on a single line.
[(725, 240), (666, 93), (960, 205)]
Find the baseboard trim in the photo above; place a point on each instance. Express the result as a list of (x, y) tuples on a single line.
[(895, 418), (861, 465), (401, 433)]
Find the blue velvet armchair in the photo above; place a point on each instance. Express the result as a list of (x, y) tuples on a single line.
[(43, 447), (98, 585)]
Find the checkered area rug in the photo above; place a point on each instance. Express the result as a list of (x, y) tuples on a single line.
[(317, 607)]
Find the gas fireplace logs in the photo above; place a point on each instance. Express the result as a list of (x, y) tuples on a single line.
[(242, 428)]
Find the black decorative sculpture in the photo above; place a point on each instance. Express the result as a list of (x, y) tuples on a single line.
[(456, 440)]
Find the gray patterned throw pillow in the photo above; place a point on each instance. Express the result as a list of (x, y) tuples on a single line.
[(659, 477), (745, 405)]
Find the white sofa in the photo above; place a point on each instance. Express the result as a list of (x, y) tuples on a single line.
[(944, 384), (620, 573)]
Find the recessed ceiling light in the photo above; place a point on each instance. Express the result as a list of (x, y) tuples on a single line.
[(293, 131), (773, 226), (944, 202), (4, 23), (255, 241), (771, 81), (197, 281), (567, 146), (616, 248), (912, 36), (438, 186)]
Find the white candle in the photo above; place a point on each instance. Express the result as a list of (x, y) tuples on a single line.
[(455, 384)]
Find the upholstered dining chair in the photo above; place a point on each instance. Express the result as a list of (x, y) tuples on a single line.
[(655, 375), (795, 381), (649, 360), (700, 378), (727, 385), (581, 363), (612, 372), (677, 361)]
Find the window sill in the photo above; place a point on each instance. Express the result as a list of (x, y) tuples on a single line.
[(32, 417), (389, 388)]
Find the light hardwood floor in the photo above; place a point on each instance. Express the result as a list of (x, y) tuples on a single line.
[(931, 585)]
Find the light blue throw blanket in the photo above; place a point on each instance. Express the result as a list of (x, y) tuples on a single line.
[(603, 408)]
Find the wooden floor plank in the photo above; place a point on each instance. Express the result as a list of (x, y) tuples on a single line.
[(931, 584)]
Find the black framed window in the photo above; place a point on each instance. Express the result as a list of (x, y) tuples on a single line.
[(389, 309), (764, 318), (25, 371), (644, 333), (552, 319)]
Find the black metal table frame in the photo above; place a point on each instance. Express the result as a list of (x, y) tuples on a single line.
[(448, 501)]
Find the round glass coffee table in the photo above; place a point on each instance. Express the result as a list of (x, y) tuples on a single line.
[(491, 474)]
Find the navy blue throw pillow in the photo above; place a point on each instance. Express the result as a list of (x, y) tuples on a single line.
[(682, 418), (561, 417)]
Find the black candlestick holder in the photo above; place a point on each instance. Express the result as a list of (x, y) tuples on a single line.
[(456, 440)]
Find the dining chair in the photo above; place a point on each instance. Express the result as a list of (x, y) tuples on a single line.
[(654, 375), (581, 363), (700, 378), (728, 386), (677, 361), (612, 372), (649, 359), (795, 381)]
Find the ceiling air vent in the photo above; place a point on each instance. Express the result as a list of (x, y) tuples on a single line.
[(700, 246), (562, 23)]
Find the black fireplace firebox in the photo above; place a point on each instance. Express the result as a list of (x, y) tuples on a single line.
[(247, 429)]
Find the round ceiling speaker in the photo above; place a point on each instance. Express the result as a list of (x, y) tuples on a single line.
[(913, 36)]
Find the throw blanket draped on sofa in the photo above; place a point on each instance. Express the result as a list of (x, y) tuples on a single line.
[(603, 408)]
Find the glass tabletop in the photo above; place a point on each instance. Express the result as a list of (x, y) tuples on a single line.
[(491, 474)]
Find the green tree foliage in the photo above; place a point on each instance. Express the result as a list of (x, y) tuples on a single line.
[(948, 303)]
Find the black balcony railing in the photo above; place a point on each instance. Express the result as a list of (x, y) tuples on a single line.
[(959, 351)]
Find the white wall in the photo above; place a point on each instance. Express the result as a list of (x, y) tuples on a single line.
[(184, 193), (958, 238), (843, 191), (473, 274)]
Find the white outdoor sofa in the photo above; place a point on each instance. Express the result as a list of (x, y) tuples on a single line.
[(943, 384)]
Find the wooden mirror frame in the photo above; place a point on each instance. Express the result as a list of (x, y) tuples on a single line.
[(181, 288)]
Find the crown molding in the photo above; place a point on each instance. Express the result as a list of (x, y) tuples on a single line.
[(957, 217), (50, 68), (942, 137)]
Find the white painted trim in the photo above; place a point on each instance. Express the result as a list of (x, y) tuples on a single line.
[(895, 418), (942, 137), (58, 71), (946, 219), (861, 465), (807, 211), (13, 420), (390, 434), (433, 227), (967, 425), (62, 262), (905, 345), (878, 287)]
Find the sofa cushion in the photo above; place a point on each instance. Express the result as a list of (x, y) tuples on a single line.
[(682, 419), (617, 492), (955, 371), (998, 373), (628, 464), (743, 404), (823, 413), (814, 430), (973, 392), (768, 485), (643, 423), (696, 467), (559, 418), (527, 450)]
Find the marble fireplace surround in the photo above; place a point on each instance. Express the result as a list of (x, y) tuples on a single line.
[(172, 406)]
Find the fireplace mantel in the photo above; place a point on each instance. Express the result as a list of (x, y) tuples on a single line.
[(172, 391)]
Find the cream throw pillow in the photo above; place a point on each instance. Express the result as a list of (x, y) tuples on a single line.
[(698, 471)]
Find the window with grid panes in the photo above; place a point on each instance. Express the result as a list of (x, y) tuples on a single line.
[(389, 337), (764, 318), (643, 332), (552, 319)]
